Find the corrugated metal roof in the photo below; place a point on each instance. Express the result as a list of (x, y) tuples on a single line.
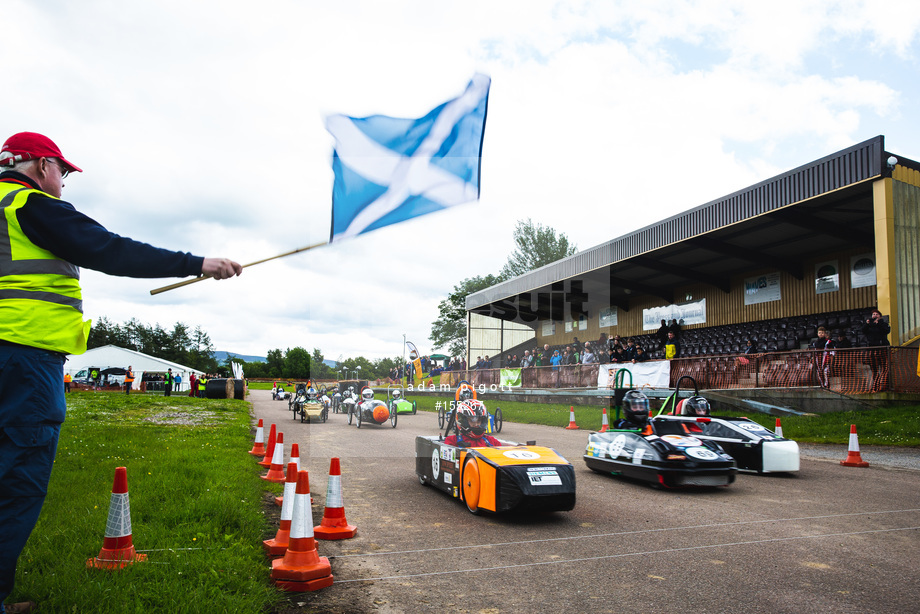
[(847, 167)]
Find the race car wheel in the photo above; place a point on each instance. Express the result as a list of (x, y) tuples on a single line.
[(498, 420), (393, 417), (358, 413), (471, 485), (350, 415), (414, 408), (442, 415), (422, 480)]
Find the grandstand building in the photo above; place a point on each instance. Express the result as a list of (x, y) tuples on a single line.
[(821, 244)]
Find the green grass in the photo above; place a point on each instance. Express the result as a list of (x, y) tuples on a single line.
[(195, 508), (891, 426)]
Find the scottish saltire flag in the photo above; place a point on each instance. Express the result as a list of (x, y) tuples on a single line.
[(388, 170)]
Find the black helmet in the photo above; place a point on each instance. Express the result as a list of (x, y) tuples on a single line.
[(472, 418), (635, 407), (696, 406)]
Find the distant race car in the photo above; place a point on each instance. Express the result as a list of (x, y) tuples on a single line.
[(653, 451), (510, 477), (397, 403), (754, 447), (304, 408), (369, 410)]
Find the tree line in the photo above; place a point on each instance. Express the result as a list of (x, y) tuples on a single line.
[(536, 245), (193, 348)]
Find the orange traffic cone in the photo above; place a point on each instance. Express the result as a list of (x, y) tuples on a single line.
[(853, 457), (572, 424), (295, 458), (278, 545), (334, 525), (604, 423), (276, 470), (258, 448), (779, 428), (270, 449), (117, 547), (302, 569)]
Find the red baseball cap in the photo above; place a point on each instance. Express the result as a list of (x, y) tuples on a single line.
[(31, 145)]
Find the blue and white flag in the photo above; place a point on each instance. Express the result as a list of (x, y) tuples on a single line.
[(388, 170)]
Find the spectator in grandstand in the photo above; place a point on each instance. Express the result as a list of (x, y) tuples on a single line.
[(842, 340), (823, 356), (545, 356), (618, 355), (588, 357), (600, 349), (630, 349), (876, 330), (674, 327), (672, 346), (576, 345), (527, 361), (640, 356), (749, 347), (556, 360), (662, 334)]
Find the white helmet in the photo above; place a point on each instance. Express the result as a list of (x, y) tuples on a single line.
[(367, 393)]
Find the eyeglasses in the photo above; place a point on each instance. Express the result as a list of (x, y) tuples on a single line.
[(64, 171)]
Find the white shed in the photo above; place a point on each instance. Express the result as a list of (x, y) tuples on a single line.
[(114, 356)]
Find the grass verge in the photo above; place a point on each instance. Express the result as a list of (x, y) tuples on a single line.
[(195, 510), (890, 426)]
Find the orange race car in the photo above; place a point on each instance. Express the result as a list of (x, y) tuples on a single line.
[(490, 474)]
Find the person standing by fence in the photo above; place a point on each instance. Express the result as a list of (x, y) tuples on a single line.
[(876, 330)]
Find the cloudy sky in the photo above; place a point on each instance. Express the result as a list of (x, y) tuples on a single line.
[(199, 126)]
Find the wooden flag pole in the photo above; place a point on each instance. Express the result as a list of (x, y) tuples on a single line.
[(202, 278)]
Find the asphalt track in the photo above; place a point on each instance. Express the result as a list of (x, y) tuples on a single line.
[(827, 539)]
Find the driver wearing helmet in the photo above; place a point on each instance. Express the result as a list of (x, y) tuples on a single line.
[(695, 406), (472, 423), (635, 411)]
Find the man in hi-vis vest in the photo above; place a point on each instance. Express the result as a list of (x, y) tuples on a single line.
[(43, 242)]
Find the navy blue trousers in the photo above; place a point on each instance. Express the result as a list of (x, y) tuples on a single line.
[(32, 408)]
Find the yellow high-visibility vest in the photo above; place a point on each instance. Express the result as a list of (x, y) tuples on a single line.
[(41, 304)]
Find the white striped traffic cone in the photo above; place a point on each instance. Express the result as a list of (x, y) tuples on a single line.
[(854, 458), (117, 547), (279, 544), (572, 424), (604, 423), (258, 447), (276, 470), (334, 525), (302, 569), (295, 458), (779, 428)]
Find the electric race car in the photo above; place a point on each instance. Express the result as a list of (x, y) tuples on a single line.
[(653, 451), (304, 408), (755, 448), (348, 401), (490, 474), (396, 403), (369, 410)]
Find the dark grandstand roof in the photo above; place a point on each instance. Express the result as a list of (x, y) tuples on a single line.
[(820, 207)]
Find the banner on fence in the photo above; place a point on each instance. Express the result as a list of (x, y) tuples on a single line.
[(654, 373), (511, 378)]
